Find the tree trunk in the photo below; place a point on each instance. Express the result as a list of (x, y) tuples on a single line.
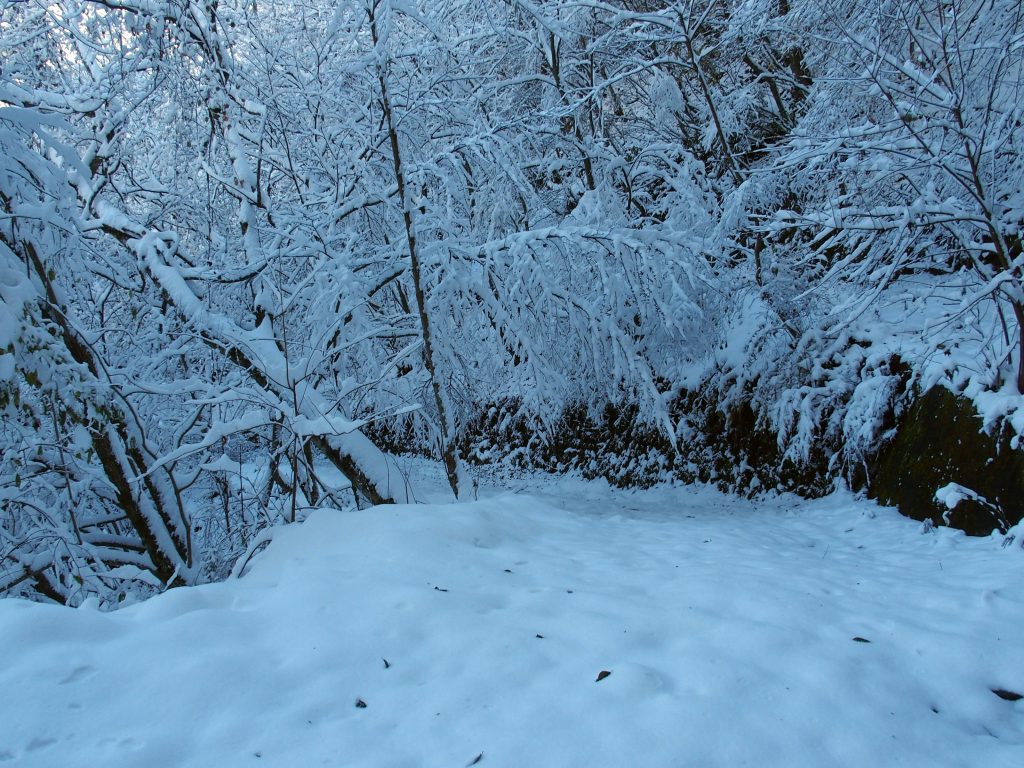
[(449, 443)]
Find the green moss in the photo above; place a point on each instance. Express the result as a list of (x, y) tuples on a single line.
[(939, 440)]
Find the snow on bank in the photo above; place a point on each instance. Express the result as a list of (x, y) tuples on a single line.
[(773, 633)]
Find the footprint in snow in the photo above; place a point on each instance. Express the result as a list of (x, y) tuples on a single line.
[(40, 743), (78, 674), (126, 743)]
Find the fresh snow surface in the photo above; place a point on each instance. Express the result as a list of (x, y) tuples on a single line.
[(477, 631)]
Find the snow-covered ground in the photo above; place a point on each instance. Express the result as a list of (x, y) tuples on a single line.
[(777, 632)]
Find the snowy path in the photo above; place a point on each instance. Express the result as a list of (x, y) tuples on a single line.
[(728, 628)]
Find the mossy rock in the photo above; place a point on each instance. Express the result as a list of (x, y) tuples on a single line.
[(939, 440)]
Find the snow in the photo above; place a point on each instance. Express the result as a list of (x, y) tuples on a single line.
[(733, 631), (951, 494)]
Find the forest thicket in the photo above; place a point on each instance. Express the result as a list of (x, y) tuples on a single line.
[(245, 246)]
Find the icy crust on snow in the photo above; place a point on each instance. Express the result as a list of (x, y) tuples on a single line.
[(772, 633)]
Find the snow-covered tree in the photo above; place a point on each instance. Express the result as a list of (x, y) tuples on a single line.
[(903, 216)]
